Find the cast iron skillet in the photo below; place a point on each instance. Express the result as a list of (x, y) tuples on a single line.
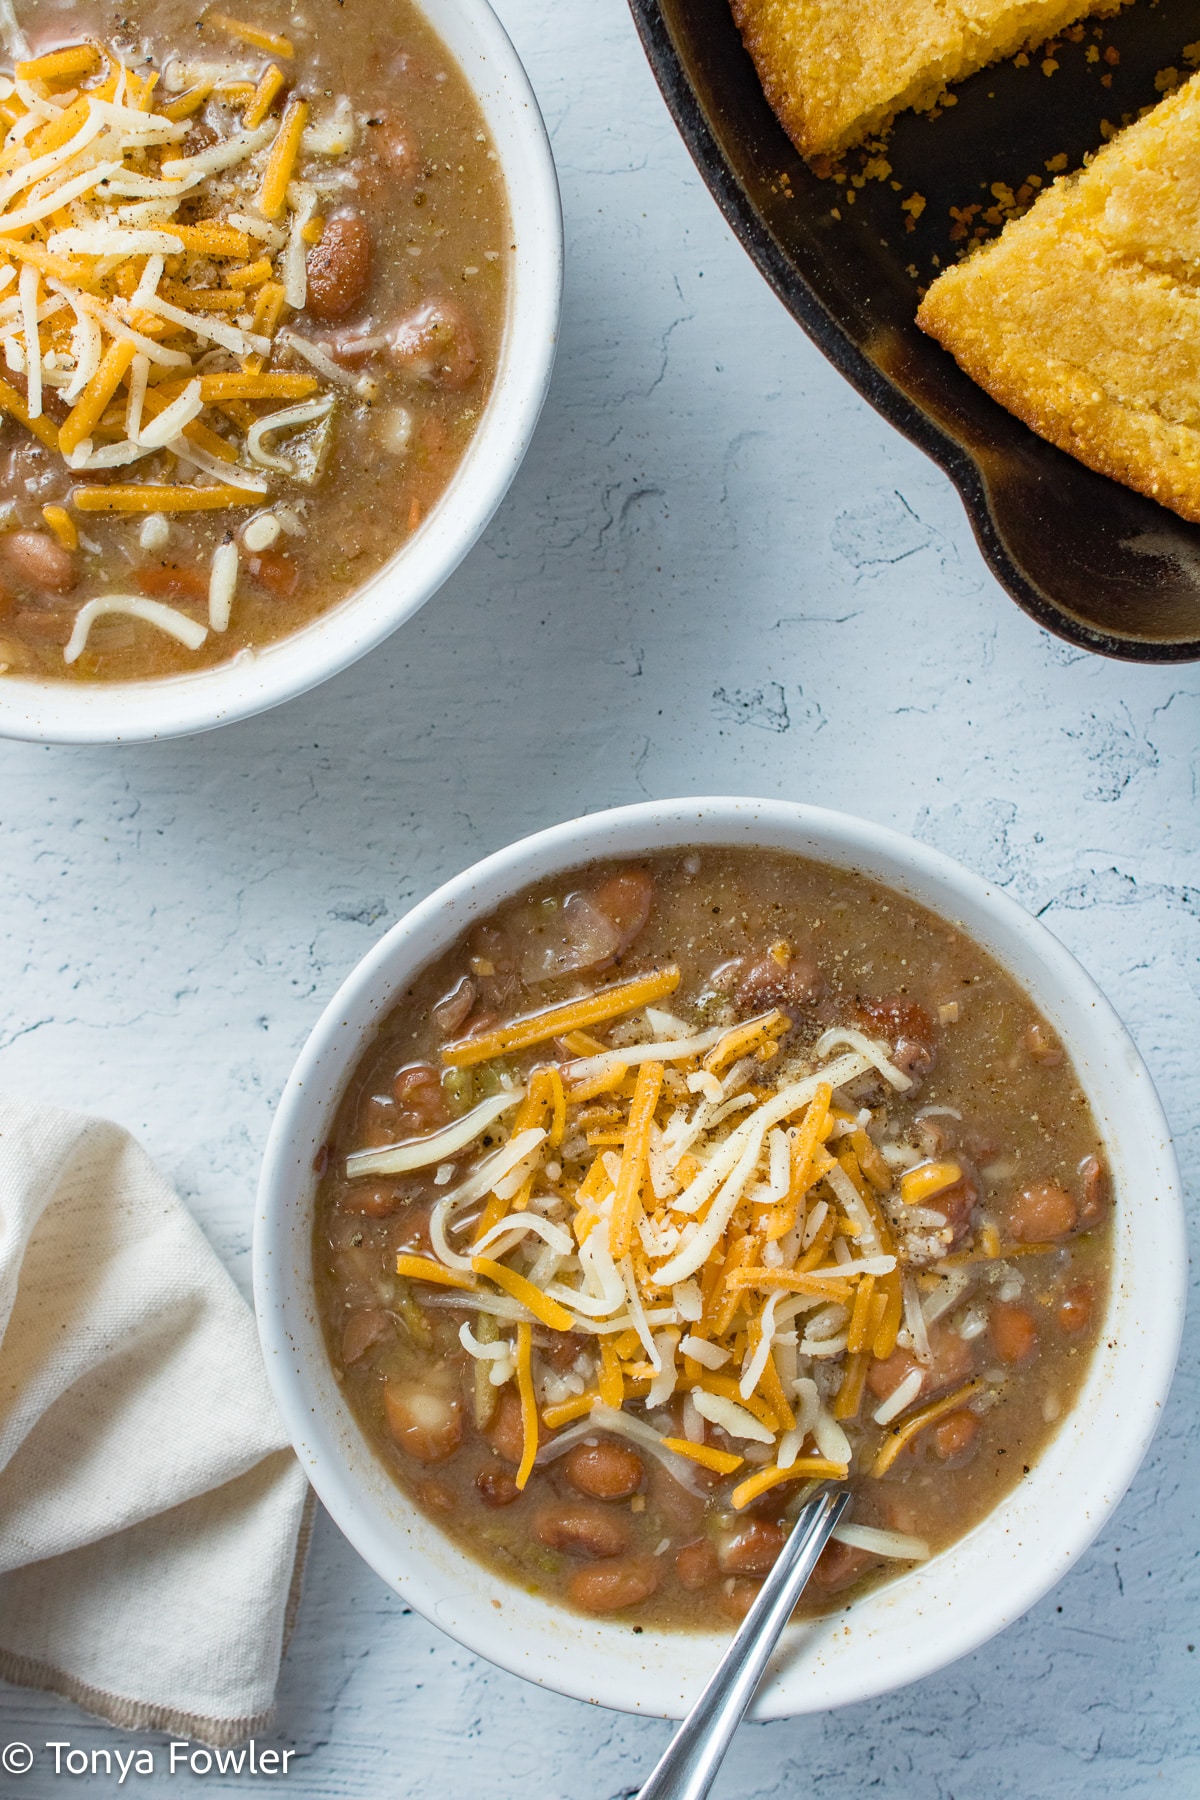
[(1090, 560)]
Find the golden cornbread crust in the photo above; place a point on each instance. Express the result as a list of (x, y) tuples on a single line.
[(1083, 317), (835, 70)]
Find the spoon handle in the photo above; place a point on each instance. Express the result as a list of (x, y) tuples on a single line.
[(695, 1753)]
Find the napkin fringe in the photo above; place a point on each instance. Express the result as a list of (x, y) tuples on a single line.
[(130, 1715)]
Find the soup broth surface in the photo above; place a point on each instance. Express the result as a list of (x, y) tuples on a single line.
[(905, 1293), (342, 271)]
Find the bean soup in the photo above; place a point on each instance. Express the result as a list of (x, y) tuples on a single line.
[(679, 1187), (253, 278)]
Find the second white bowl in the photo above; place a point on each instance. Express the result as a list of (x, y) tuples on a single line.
[(133, 711)]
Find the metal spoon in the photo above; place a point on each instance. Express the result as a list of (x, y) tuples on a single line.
[(697, 1750)]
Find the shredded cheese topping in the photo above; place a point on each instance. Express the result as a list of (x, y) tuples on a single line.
[(707, 1212), (142, 288)]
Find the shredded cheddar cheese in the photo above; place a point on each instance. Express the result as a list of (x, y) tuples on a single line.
[(424, 1268), (115, 306), (529, 1412), (253, 35), (715, 1233)]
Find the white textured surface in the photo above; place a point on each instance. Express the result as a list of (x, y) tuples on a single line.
[(718, 571)]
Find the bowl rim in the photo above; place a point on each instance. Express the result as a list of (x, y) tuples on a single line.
[(870, 1649), (254, 680)]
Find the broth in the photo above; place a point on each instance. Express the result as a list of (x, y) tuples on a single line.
[(922, 1241)]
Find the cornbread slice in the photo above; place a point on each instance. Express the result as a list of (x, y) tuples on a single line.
[(1083, 317), (835, 70)]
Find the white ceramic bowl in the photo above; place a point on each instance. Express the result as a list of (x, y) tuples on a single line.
[(924, 1619), (133, 711)]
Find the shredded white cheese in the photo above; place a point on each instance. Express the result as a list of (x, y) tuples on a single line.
[(152, 612), (222, 585)]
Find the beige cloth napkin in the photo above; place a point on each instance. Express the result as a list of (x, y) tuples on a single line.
[(151, 1512)]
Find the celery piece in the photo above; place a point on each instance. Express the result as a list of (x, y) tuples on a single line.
[(486, 1396), (459, 1087)]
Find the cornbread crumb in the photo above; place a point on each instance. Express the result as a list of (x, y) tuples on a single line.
[(1083, 317), (835, 70)]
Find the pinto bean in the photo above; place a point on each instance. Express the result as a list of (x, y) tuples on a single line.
[(955, 1435), (1013, 1333), (506, 1432), (497, 1487), (412, 1233), (1075, 1308), (1096, 1190), (902, 1512), (907, 1026), (277, 573), (936, 1136), (373, 1201), (171, 581), (626, 899), (419, 1096), (354, 345), (790, 985), (453, 1009), (425, 1421), (696, 1566), (953, 1362), (752, 1549), (839, 1566), (339, 267), (199, 137), (40, 561), (737, 1599), (363, 1331), (913, 1057), (1042, 1211), (611, 1587), (581, 1530), (605, 1471), (562, 1350), (900, 1020), (435, 344), (884, 1377), (957, 1203)]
